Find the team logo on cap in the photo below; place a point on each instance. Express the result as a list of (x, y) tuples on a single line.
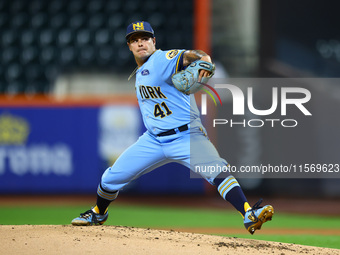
[(138, 26)]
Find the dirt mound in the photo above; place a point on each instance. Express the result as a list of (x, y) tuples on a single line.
[(56, 239)]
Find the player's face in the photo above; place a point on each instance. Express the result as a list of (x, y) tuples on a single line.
[(142, 45)]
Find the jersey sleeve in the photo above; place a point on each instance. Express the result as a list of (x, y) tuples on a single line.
[(172, 62), (179, 65)]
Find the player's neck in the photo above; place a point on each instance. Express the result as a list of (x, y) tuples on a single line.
[(141, 61)]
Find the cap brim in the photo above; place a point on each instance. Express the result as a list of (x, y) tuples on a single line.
[(139, 31)]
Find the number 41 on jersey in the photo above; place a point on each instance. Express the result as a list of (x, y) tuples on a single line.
[(161, 110)]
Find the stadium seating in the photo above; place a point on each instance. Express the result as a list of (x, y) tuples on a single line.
[(41, 39)]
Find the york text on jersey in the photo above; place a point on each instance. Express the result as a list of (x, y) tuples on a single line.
[(149, 92)]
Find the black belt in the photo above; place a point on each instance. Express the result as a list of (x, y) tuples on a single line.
[(173, 131)]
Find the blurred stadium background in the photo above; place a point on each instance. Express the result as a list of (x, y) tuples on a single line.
[(67, 110)]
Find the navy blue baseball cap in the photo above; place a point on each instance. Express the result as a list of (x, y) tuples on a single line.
[(139, 26)]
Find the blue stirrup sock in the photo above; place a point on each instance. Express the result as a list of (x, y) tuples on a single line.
[(230, 190), (104, 198)]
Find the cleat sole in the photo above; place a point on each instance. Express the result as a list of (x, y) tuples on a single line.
[(265, 216), (85, 223)]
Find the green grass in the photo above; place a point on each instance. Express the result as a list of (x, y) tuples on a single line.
[(328, 241), (161, 217)]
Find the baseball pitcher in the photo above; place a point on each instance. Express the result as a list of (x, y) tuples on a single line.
[(165, 83)]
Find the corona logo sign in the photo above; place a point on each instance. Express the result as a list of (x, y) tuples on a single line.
[(13, 129)]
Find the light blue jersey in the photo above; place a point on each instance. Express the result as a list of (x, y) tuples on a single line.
[(163, 107)]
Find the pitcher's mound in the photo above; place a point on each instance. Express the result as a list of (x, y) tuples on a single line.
[(57, 239)]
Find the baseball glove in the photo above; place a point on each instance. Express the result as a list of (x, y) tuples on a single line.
[(186, 81)]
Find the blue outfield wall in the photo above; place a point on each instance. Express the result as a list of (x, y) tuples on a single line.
[(54, 150)]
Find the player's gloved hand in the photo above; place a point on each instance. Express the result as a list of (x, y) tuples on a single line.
[(191, 79)]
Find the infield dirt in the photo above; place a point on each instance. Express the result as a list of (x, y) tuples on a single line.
[(67, 239)]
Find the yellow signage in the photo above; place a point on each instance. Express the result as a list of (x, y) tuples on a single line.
[(13, 129)]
